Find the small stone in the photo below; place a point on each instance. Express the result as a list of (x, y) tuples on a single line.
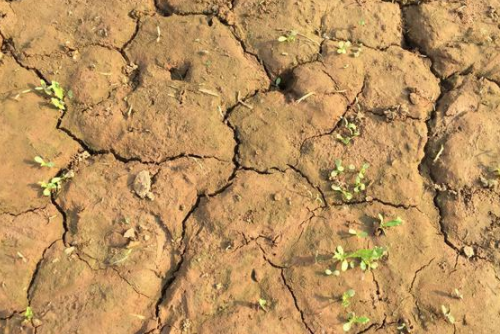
[(369, 198), (277, 197), (468, 251), (146, 237), (142, 184), (414, 98), (130, 233)]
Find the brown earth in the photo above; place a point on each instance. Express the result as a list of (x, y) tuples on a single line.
[(200, 150)]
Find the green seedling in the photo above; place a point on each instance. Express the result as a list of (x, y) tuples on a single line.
[(352, 319), (356, 52), (343, 46), (346, 297), (345, 193), (55, 92), (52, 186), (457, 294), (289, 37), (359, 185), (341, 257), (263, 304), (368, 257), (342, 187), (447, 314), (28, 314), (277, 82), (383, 225), (352, 132), (361, 234), (39, 160), (329, 272), (339, 169)]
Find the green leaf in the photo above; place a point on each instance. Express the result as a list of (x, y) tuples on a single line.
[(58, 103), (396, 222), (282, 39), (46, 192), (39, 160), (346, 327), (345, 265), (28, 314), (362, 320), (350, 293), (348, 196), (58, 90)]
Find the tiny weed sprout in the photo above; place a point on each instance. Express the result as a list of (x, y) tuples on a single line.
[(343, 46), (367, 258), (341, 257), (457, 294), (56, 93), (289, 37), (350, 132), (359, 185), (54, 185), (346, 297), (447, 314), (356, 52), (343, 188), (28, 314), (383, 225), (352, 319), (277, 82), (39, 160), (361, 234), (345, 193), (329, 272), (263, 304), (339, 169)]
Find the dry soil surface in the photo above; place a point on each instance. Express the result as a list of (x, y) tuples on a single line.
[(197, 147)]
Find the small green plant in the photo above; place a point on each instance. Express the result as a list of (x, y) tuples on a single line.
[(55, 92), (28, 314), (383, 225), (343, 46), (352, 319), (341, 257), (356, 52), (263, 304), (447, 314), (329, 272), (351, 131), (346, 297), (342, 187), (39, 160), (358, 182), (339, 169), (346, 194), (361, 234), (54, 185), (289, 37), (367, 258), (457, 294)]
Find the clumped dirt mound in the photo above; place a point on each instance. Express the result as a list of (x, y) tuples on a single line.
[(242, 166)]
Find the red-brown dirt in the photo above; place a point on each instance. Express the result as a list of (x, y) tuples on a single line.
[(196, 151)]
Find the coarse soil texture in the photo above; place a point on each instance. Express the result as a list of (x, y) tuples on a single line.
[(247, 166)]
